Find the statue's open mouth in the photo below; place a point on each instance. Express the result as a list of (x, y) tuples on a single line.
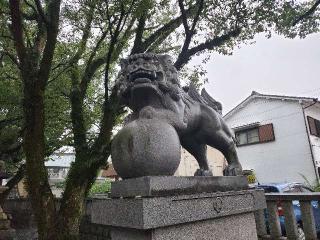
[(142, 76)]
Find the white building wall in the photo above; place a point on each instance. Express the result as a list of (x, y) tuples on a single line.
[(284, 159), (189, 165), (314, 112)]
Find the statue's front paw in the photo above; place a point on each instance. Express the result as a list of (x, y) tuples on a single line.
[(204, 173), (233, 170)]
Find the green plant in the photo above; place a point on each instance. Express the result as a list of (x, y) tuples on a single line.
[(103, 187), (315, 186), (60, 185)]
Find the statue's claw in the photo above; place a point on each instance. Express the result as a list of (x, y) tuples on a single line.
[(233, 170), (202, 172)]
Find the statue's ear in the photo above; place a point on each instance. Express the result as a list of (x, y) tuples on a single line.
[(123, 63)]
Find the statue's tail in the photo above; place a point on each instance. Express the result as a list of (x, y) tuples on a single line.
[(211, 102)]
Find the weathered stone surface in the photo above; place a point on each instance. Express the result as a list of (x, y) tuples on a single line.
[(155, 212), (202, 216), (235, 227), (170, 185), (146, 147)]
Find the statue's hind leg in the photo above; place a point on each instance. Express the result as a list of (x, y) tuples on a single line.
[(199, 151), (225, 144)]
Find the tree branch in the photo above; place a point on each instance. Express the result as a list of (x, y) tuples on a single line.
[(9, 121), (31, 6), (85, 35), (12, 57), (93, 65), (89, 72), (41, 12), (13, 182), (52, 33), (162, 33), (184, 17), (189, 32), (200, 4), (17, 29), (209, 44), (110, 23), (307, 13), (137, 46)]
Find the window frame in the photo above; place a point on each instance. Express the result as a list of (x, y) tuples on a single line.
[(316, 123), (246, 130)]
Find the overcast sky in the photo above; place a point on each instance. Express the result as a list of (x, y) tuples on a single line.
[(273, 66)]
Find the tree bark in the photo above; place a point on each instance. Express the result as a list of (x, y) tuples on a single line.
[(41, 197), (35, 65), (12, 183)]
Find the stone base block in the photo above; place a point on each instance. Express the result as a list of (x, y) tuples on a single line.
[(172, 185), (207, 216), (237, 227)]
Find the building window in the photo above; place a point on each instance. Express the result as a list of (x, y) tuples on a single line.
[(259, 134), (314, 126), (53, 172)]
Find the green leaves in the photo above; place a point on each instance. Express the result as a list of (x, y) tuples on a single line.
[(100, 188)]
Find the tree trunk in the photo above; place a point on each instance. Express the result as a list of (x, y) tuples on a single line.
[(81, 176), (42, 199)]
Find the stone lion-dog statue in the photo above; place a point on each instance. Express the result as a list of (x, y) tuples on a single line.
[(148, 84)]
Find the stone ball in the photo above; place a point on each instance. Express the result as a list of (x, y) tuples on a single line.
[(146, 147)]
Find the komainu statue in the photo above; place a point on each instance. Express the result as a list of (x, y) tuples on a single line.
[(148, 84)]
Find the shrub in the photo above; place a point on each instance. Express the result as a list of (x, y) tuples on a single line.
[(99, 188), (315, 186)]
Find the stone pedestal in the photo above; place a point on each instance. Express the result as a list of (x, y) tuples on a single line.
[(152, 208), (6, 232)]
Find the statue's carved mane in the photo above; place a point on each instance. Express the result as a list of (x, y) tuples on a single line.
[(171, 84)]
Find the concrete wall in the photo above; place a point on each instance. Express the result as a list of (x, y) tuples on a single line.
[(284, 159), (189, 165), (314, 112)]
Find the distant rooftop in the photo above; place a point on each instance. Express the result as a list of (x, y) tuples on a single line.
[(255, 94), (60, 160)]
